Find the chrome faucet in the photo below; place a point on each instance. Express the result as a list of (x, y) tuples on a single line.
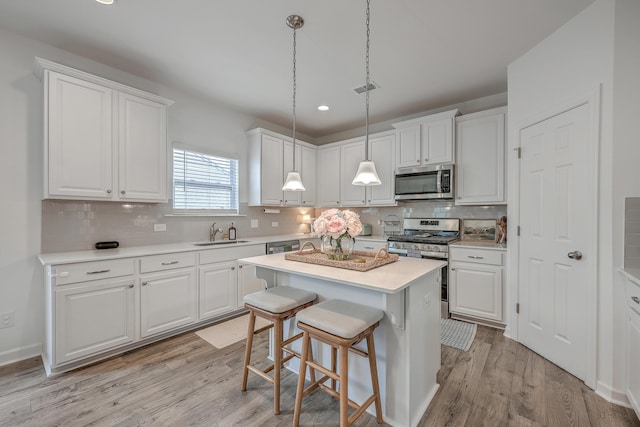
[(213, 231)]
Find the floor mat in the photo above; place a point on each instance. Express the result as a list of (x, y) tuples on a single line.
[(230, 332), (456, 334)]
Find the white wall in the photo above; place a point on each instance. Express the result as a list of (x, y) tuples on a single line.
[(191, 121), (571, 63)]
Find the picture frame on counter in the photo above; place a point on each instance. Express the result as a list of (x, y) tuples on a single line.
[(479, 229)]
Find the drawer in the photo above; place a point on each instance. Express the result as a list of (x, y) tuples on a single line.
[(369, 245), (167, 262), (480, 256), (86, 271), (230, 254), (633, 294)]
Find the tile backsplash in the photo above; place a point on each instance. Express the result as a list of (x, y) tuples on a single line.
[(74, 226), (632, 232)]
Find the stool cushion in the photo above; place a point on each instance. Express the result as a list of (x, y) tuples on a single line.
[(342, 318), (279, 299)]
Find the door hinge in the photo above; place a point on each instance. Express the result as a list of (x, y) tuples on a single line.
[(517, 308), (519, 150), (518, 231)]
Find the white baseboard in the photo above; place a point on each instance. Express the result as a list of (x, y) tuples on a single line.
[(612, 395), (20, 353)]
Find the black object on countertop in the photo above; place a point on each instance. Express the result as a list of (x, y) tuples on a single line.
[(107, 245)]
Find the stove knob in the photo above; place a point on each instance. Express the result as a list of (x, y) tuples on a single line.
[(416, 247), (435, 249)]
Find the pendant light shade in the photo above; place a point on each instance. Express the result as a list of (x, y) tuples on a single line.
[(293, 181), (367, 174)]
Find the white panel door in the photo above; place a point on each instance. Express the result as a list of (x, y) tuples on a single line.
[(476, 290), (248, 283), (271, 169), (382, 151), (408, 147), (292, 198), (80, 138), (308, 174), (168, 300), (554, 197), (437, 142), (329, 177), (142, 149)]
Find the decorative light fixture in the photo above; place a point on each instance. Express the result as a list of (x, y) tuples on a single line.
[(105, 1), (367, 174), (293, 181), (323, 107)]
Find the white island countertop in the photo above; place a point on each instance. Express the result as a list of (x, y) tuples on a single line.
[(390, 278)]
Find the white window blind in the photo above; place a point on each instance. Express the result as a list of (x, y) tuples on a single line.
[(204, 183)]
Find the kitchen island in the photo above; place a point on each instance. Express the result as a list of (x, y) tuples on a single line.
[(407, 340)]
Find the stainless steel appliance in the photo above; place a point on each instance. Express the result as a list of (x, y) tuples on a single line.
[(283, 246), (428, 238), (425, 183)]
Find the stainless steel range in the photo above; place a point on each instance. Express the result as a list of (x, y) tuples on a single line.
[(428, 238)]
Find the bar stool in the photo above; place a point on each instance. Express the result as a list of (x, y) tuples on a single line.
[(275, 305), (340, 324)]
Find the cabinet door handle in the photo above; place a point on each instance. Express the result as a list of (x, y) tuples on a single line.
[(108, 191), (233, 268), (145, 283), (131, 285), (98, 271), (453, 269), (475, 257), (426, 160), (122, 191), (418, 161), (636, 300), (170, 263), (240, 266)]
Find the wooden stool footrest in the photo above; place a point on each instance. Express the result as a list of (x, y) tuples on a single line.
[(264, 328), (290, 340), (324, 370), (335, 394), (361, 408), (262, 373)]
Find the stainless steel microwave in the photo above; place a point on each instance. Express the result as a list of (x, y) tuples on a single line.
[(425, 183)]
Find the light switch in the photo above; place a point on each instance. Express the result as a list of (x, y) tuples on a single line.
[(254, 223), (159, 227)]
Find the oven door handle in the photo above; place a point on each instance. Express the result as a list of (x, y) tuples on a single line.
[(401, 252)]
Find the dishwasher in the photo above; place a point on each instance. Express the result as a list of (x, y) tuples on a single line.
[(283, 246)]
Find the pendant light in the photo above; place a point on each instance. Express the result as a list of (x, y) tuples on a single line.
[(367, 174), (293, 181)]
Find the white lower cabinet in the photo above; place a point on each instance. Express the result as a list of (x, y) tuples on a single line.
[(633, 344), (93, 317), (476, 284), (168, 300), (248, 283), (217, 284)]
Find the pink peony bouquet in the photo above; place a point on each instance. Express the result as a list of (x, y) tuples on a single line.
[(337, 224)]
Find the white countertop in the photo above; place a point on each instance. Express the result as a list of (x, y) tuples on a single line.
[(480, 244), (390, 278), (137, 251)]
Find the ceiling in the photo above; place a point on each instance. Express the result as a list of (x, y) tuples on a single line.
[(425, 54)]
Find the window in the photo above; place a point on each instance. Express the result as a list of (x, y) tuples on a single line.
[(204, 183)]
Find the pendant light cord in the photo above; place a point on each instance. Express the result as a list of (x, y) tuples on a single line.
[(366, 122), (294, 98)]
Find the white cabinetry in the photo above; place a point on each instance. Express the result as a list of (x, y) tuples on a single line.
[(480, 158), (338, 164), (369, 245), (218, 284), (103, 140), (476, 284), (633, 343), (425, 140), (270, 159), (90, 308), (168, 295)]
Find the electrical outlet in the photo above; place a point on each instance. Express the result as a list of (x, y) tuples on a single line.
[(254, 223), (274, 224), (159, 227), (7, 320)]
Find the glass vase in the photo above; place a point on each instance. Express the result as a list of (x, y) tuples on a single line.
[(337, 249)]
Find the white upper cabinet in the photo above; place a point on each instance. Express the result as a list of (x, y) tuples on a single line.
[(382, 151), (426, 140), (480, 158), (103, 140), (270, 160), (329, 171), (351, 154)]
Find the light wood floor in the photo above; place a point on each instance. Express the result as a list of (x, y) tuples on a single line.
[(186, 381)]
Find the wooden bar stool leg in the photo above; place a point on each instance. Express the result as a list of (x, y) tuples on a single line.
[(247, 351), (312, 372), (334, 361), (371, 349), (306, 345), (344, 387), (277, 364)]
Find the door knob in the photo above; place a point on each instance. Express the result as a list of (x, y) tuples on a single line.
[(577, 255)]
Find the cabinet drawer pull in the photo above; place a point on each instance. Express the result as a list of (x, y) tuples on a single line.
[(636, 300), (131, 285), (233, 268), (108, 191), (475, 257), (122, 192), (170, 263), (98, 271), (240, 266), (145, 283), (369, 247)]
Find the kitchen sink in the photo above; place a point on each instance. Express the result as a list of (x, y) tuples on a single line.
[(220, 242)]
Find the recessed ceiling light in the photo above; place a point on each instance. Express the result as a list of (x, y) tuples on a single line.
[(105, 1), (323, 107)]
